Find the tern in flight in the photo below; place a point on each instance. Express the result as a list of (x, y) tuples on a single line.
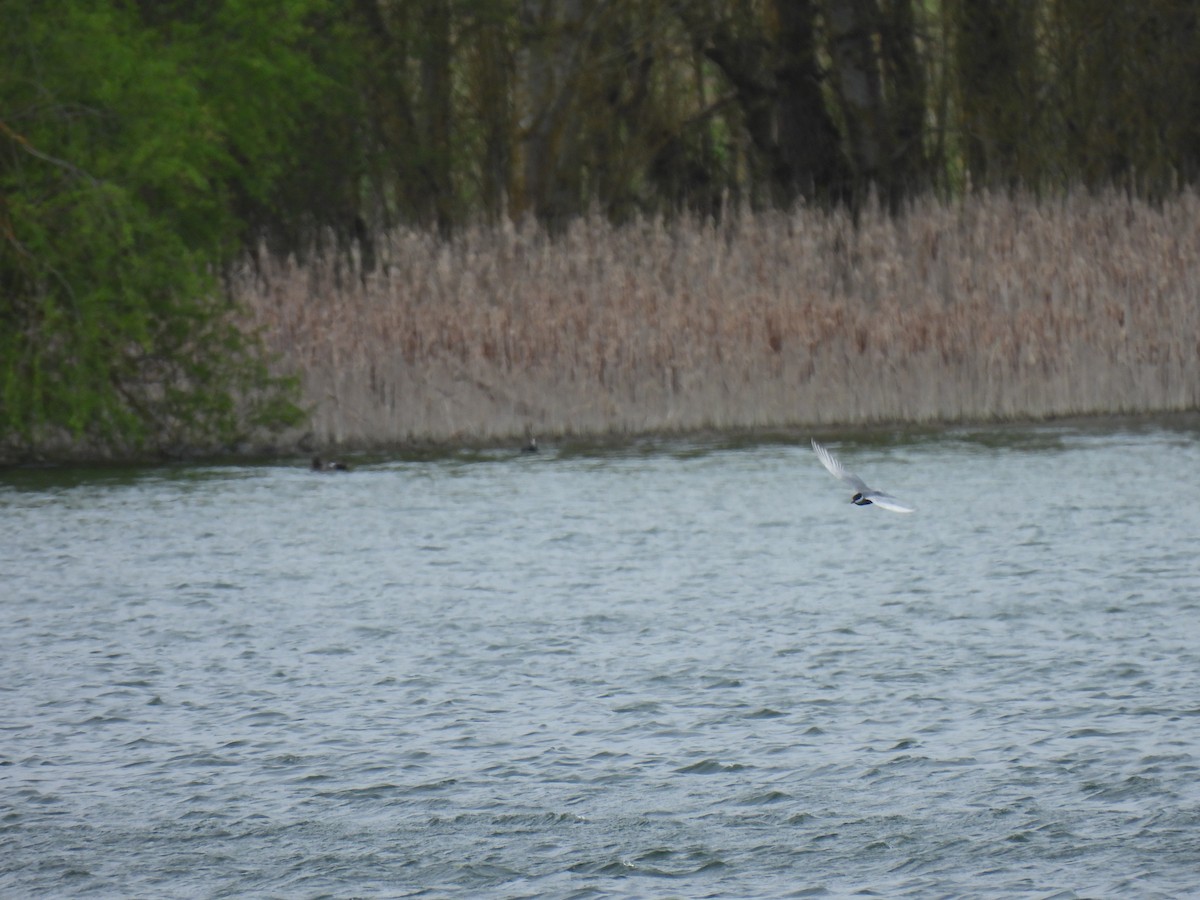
[(863, 495)]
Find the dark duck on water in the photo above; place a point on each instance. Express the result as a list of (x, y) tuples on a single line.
[(321, 465)]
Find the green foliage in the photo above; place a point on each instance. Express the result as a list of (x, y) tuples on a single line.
[(122, 147)]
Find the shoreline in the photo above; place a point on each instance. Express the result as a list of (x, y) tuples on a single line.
[(301, 452), (992, 309)]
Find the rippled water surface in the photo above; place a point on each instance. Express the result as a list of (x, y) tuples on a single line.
[(662, 670)]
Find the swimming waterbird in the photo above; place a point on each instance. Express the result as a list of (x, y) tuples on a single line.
[(323, 465)]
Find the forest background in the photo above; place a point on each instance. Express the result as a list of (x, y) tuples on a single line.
[(383, 221)]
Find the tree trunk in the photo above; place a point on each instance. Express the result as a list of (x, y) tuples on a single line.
[(436, 110), (852, 27), (994, 49), (493, 80), (812, 165), (907, 165), (772, 67), (551, 44)]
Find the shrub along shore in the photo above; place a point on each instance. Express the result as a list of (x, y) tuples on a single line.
[(990, 308)]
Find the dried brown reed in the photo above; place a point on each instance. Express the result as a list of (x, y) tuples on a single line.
[(990, 308)]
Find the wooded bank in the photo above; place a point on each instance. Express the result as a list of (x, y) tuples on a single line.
[(146, 148)]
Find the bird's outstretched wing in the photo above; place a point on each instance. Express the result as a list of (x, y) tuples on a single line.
[(887, 501), (837, 470)]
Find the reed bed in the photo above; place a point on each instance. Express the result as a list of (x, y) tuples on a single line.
[(991, 308)]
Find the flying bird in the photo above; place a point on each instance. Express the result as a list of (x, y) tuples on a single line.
[(863, 495)]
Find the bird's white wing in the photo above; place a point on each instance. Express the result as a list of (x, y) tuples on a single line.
[(836, 469), (887, 501)]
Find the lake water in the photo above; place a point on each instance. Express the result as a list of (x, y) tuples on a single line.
[(656, 670)]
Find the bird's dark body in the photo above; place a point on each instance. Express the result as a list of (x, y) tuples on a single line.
[(320, 465)]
